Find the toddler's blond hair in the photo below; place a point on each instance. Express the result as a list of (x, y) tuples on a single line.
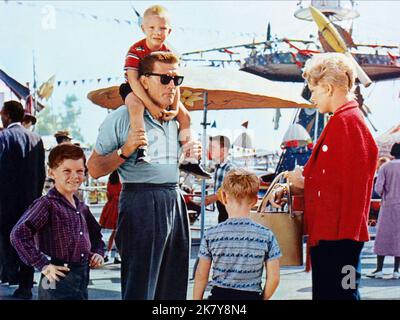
[(157, 10)]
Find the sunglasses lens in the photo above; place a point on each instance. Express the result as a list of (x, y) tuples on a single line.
[(178, 80), (164, 79)]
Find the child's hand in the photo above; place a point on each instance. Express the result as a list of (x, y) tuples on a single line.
[(51, 272), (192, 151), (96, 261), (170, 114), (156, 112), (135, 139)]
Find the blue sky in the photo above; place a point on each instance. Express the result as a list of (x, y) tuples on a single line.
[(74, 46)]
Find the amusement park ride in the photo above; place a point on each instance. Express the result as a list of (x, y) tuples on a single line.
[(282, 59)]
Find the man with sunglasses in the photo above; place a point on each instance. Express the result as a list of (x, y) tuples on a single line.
[(153, 231), (156, 25)]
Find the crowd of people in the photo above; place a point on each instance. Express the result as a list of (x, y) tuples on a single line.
[(142, 146)]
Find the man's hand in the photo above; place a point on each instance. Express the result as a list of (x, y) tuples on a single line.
[(192, 151), (295, 179), (156, 111), (170, 114), (135, 139), (51, 272), (96, 261)]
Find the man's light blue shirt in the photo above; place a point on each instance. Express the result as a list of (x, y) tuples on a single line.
[(163, 148)]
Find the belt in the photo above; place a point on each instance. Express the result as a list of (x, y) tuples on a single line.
[(71, 265)]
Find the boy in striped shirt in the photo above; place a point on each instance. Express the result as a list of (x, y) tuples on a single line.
[(238, 248)]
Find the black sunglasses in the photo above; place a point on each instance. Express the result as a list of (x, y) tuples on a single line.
[(166, 79)]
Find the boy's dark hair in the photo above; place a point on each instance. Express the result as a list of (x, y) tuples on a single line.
[(114, 177), (395, 151), (14, 110), (222, 140), (146, 65), (65, 151)]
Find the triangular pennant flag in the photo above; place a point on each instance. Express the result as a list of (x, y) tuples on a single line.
[(117, 20), (245, 124), (228, 51), (94, 16), (98, 80), (128, 22), (46, 88), (58, 83), (91, 80), (74, 82), (214, 124), (108, 79), (83, 81), (66, 83)]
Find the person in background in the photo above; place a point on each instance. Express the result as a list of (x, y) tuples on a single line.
[(62, 136), (387, 239), (28, 121), (218, 151), (381, 161), (109, 214), (22, 175)]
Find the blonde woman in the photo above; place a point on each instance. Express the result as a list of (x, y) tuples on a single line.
[(336, 181)]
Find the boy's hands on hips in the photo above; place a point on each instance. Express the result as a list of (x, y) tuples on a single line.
[(96, 261), (51, 272)]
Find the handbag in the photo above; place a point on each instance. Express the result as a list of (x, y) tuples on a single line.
[(286, 222)]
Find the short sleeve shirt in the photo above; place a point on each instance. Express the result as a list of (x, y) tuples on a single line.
[(238, 248), (137, 52)]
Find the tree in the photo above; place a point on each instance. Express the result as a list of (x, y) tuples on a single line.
[(50, 122)]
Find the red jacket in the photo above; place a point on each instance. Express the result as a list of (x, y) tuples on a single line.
[(338, 179)]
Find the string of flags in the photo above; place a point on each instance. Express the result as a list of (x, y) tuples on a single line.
[(59, 83), (84, 15), (136, 21)]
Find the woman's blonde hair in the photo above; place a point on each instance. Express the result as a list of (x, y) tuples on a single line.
[(331, 68), (241, 184)]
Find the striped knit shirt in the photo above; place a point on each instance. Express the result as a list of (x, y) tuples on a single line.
[(136, 53), (238, 248)]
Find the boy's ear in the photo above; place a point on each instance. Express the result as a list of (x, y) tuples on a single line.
[(328, 89), (50, 173), (223, 197), (253, 202)]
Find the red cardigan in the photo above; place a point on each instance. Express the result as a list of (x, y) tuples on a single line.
[(338, 179)]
